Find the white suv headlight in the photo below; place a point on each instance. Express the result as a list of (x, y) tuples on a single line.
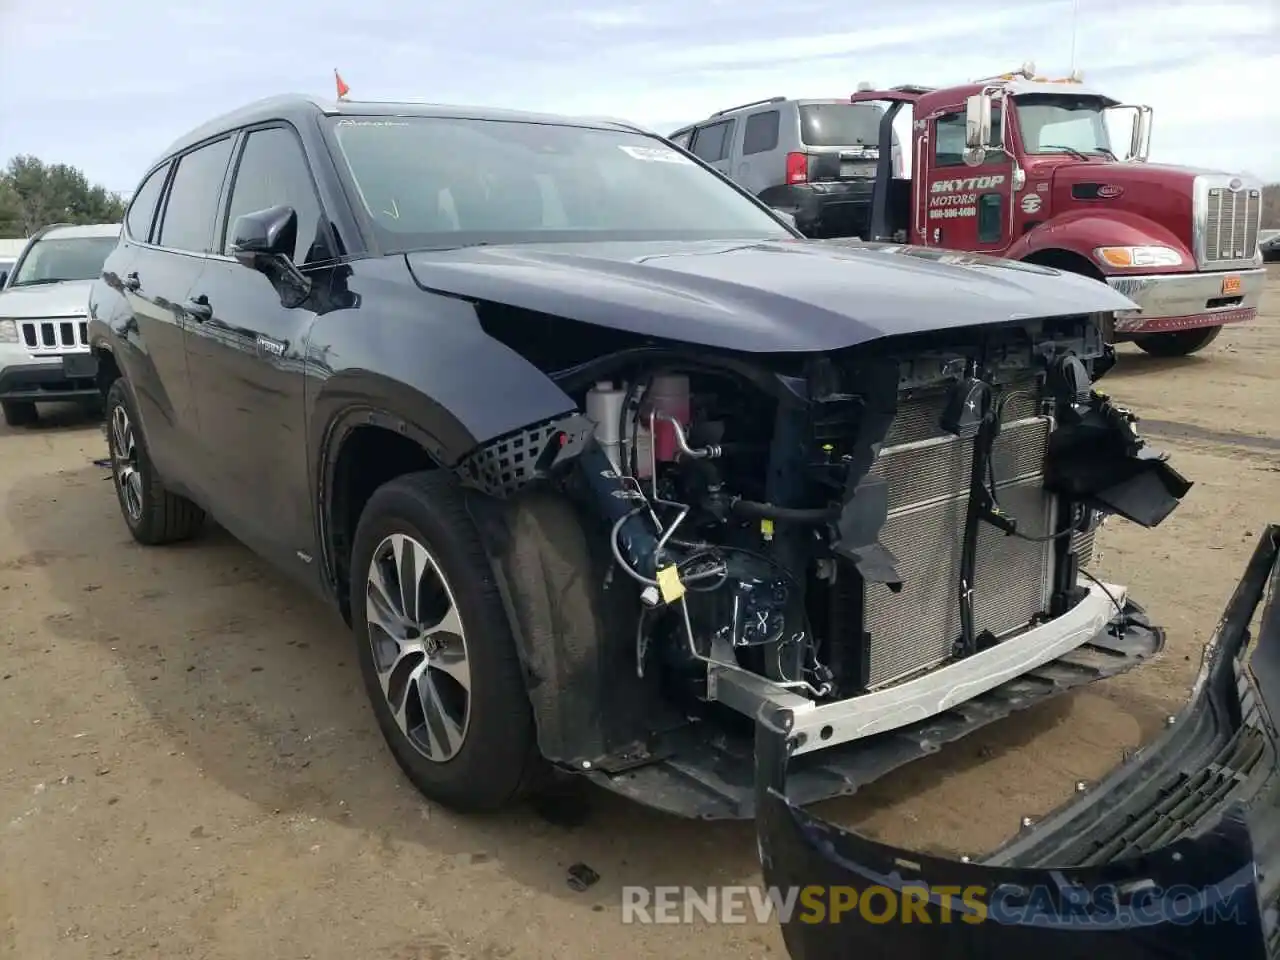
[(1138, 256), (8, 331)]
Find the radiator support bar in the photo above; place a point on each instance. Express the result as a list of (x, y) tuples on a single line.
[(814, 726)]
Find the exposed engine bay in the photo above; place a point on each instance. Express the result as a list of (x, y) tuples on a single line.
[(868, 537)]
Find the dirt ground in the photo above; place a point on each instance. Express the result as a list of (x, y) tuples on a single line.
[(189, 769)]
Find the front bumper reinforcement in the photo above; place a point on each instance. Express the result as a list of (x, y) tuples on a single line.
[(1176, 853)]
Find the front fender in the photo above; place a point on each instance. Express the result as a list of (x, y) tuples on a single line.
[(1082, 231)]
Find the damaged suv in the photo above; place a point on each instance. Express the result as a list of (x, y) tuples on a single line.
[(601, 460)]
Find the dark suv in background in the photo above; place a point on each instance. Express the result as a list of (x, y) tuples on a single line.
[(812, 159)]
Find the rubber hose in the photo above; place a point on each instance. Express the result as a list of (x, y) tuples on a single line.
[(770, 511)]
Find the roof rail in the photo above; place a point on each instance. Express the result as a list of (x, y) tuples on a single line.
[(743, 106)]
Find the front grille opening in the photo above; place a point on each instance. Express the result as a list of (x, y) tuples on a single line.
[(55, 336), (1232, 221)]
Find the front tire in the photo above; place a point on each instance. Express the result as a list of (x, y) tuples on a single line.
[(153, 514), (1181, 343), (19, 413), (436, 652)]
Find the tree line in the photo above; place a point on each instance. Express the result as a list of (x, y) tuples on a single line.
[(34, 193)]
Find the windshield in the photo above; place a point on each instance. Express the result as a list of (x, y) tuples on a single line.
[(431, 182), (56, 259), (840, 124), (1051, 123)]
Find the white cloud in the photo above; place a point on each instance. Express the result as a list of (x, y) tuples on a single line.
[(130, 77)]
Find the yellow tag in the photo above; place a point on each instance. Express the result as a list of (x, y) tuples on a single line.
[(670, 585), (766, 528)]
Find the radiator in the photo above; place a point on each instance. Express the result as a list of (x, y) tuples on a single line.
[(927, 472)]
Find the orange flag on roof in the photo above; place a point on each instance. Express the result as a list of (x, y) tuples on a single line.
[(343, 89)]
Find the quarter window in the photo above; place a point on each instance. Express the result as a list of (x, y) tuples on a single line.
[(192, 206), (761, 132), (273, 170), (142, 209)]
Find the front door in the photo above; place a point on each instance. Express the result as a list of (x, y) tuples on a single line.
[(966, 208), (247, 357)]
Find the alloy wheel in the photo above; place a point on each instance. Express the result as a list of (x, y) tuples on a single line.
[(124, 462), (419, 647)]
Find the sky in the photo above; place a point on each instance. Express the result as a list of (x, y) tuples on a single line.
[(106, 86)]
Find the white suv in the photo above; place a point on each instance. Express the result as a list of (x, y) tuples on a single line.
[(44, 346)]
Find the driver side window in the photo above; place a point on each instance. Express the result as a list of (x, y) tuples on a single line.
[(273, 170), (948, 137)]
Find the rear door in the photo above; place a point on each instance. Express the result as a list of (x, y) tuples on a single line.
[(966, 208), (247, 356), (842, 139), (713, 143), (155, 268)]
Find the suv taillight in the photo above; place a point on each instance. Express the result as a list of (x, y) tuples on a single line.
[(797, 167)]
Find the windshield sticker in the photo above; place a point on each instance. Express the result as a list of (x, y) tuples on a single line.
[(654, 154), (348, 122)]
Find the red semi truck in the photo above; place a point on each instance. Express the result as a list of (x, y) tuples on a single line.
[(1022, 167)]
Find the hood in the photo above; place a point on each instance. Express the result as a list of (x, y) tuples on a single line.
[(762, 297), (70, 298), (1159, 175)]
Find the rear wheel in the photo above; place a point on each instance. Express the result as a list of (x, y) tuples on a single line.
[(19, 413), (153, 514), (1181, 343), (439, 662)]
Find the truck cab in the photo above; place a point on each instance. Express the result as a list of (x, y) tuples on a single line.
[(1022, 167)]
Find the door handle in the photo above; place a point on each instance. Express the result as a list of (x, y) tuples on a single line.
[(131, 281), (198, 308)]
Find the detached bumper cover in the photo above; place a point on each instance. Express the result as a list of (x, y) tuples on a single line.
[(1179, 301), (1175, 854)]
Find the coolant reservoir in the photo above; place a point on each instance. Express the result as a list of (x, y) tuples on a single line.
[(669, 394), (604, 409)]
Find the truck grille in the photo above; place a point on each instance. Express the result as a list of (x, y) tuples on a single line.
[(1232, 219), (928, 476), (55, 336)]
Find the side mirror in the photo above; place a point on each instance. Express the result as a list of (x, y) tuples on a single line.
[(788, 218), (264, 234), (264, 241), (4, 275), (1140, 142), (977, 125)]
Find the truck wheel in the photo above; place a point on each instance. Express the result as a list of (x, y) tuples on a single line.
[(153, 514), (436, 652), (1181, 343), (19, 413)]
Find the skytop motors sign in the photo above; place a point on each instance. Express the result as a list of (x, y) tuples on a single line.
[(959, 197)]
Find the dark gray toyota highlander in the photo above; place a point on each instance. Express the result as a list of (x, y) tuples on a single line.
[(604, 464)]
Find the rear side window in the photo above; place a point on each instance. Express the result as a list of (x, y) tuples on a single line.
[(712, 143), (142, 209), (192, 206), (761, 133), (840, 124), (273, 170)]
